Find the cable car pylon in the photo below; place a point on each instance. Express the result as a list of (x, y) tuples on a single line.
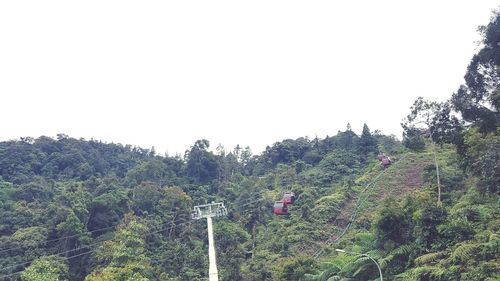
[(209, 211)]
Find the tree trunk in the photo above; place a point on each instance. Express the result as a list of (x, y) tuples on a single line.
[(435, 163), (437, 173)]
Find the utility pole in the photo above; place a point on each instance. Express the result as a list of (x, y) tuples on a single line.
[(208, 211)]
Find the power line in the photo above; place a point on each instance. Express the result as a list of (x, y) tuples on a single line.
[(56, 254), (89, 232), (88, 246), (95, 244), (169, 226), (359, 203), (95, 230), (251, 197), (66, 258), (100, 242), (107, 228), (55, 239)]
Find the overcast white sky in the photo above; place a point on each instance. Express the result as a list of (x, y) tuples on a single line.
[(166, 73)]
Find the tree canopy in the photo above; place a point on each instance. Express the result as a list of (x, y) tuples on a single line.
[(86, 210)]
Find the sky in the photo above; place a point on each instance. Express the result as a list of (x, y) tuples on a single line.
[(167, 73)]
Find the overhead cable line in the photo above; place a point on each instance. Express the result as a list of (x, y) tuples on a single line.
[(55, 239), (165, 226), (89, 246), (333, 238)]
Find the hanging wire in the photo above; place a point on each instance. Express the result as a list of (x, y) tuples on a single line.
[(54, 240), (333, 238), (166, 225), (103, 229), (184, 222)]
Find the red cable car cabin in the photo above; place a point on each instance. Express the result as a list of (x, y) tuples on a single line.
[(386, 161), (280, 208), (289, 198)]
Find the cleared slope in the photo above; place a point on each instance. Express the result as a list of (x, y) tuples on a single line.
[(400, 179)]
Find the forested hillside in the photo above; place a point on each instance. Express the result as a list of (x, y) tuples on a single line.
[(75, 209)]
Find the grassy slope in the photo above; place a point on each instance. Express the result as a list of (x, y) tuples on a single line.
[(399, 180)]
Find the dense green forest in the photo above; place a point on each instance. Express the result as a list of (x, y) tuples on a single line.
[(75, 209)]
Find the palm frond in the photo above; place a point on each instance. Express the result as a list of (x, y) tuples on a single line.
[(464, 252), (423, 271), (386, 260), (428, 258), (404, 250)]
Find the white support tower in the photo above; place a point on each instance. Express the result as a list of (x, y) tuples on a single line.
[(208, 211)]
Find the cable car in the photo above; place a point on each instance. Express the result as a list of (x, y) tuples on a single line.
[(280, 208), (386, 162), (289, 198)]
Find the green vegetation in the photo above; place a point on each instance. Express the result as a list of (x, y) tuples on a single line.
[(87, 210)]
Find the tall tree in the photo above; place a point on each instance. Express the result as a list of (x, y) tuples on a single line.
[(479, 99), (246, 154), (125, 255), (367, 143), (432, 118), (202, 165)]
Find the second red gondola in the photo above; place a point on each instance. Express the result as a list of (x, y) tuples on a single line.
[(289, 198), (280, 208)]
